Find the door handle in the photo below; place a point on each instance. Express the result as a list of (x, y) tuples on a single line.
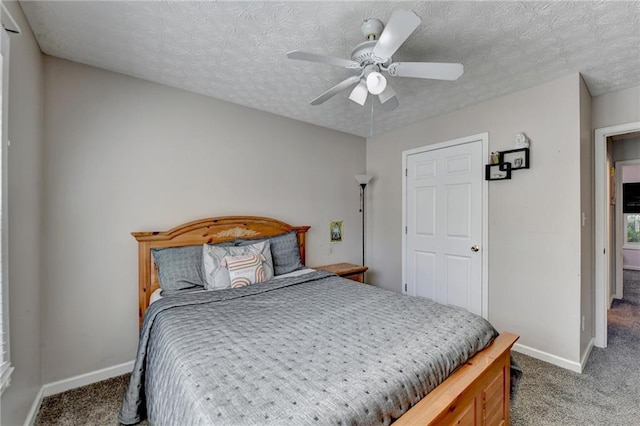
[(475, 248)]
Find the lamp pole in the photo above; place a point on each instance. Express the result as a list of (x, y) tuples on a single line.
[(362, 187), (363, 180)]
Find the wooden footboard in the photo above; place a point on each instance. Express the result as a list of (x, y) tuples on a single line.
[(476, 394)]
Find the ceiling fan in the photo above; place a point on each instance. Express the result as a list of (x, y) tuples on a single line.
[(374, 57)]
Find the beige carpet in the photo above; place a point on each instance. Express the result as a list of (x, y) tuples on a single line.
[(93, 405)]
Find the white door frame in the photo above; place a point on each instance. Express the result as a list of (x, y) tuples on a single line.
[(484, 138), (602, 266)]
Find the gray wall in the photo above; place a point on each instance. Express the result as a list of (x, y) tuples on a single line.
[(615, 108), (123, 155), (25, 189), (626, 149), (534, 227)]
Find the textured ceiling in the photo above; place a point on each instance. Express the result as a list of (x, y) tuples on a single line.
[(235, 51)]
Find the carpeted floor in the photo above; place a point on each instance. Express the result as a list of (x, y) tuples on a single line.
[(607, 393), (93, 405)]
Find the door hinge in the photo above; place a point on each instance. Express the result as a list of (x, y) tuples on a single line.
[(604, 251), (405, 230), (405, 287), (406, 172)]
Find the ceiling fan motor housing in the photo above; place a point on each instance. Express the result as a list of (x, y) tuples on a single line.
[(372, 28)]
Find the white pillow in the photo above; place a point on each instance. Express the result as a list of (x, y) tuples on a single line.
[(245, 270), (216, 276)]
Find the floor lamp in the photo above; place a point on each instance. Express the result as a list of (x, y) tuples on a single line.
[(363, 180)]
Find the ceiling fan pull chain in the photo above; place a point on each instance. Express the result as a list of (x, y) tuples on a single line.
[(371, 131)]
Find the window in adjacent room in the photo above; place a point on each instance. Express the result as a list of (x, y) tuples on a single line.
[(632, 227), (631, 211)]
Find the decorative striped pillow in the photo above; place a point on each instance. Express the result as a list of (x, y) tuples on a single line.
[(245, 269), (217, 276)]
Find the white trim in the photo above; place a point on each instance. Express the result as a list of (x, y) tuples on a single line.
[(632, 268), (87, 379), (35, 408), (547, 357), (484, 138), (601, 206), (485, 230), (5, 337), (619, 230), (631, 246)]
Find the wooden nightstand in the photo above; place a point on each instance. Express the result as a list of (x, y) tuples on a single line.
[(346, 270)]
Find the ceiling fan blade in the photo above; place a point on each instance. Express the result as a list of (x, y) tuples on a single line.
[(390, 104), (400, 26), (433, 70), (323, 59), (335, 90)]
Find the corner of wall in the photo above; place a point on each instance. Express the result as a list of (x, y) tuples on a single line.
[(24, 187), (587, 234)]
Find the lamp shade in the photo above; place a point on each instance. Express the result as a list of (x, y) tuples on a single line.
[(376, 83), (359, 93), (363, 179), (386, 95)]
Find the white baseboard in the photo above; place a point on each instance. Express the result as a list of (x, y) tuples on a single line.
[(35, 408), (547, 357), (87, 379)]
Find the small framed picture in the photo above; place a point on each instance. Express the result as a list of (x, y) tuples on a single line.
[(335, 231), (519, 158), (500, 171)]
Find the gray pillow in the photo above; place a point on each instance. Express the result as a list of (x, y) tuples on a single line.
[(285, 252), (180, 268)]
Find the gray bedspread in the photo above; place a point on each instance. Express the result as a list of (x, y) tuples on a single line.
[(315, 349)]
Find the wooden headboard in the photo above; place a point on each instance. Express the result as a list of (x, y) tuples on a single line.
[(203, 231)]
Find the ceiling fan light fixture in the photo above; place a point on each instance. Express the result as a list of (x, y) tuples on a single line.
[(376, 83), (359, 93)]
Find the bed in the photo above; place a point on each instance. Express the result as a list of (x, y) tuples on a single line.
[(306, 348)]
